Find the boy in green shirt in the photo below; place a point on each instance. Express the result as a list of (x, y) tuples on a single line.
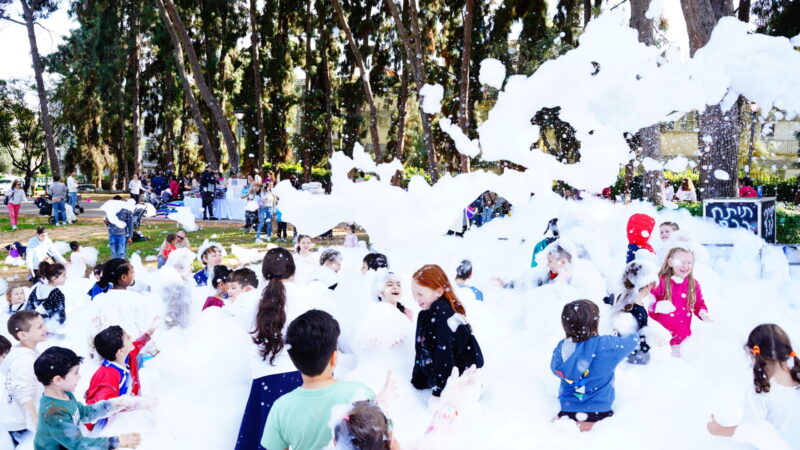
[(300, 419), (60, 415)]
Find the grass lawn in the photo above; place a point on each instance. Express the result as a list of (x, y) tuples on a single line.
[(91, 232)]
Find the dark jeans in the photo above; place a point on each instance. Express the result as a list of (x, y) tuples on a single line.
[(282, 230), (208, 205), (136, 197)]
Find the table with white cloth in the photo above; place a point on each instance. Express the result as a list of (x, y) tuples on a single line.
[(224, 208)]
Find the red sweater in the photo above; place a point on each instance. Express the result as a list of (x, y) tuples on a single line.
[(105, 382)]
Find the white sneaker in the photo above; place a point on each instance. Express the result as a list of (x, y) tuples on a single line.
[(259, 240)]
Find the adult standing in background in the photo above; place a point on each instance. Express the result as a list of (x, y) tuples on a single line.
[(158, 184), (686, 193), (135, 188), (208, 189), (58, 192), (72, 190), (15, 198)]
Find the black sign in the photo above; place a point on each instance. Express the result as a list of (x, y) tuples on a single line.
[(757, 215), (769, 228)]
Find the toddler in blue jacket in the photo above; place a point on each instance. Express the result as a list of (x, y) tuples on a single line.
[(585, 363)]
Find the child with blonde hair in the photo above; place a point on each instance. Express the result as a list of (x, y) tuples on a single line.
[(15, 297), (678, 296)]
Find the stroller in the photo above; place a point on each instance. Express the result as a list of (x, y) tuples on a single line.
[(46, 209), (136, 222)]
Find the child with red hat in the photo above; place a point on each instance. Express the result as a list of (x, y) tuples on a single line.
[(640, 228)]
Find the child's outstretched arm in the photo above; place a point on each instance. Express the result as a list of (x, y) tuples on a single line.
[(68, 434), (700, 308), (716, 429)]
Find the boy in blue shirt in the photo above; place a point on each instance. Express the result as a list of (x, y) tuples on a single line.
[(585, 363)]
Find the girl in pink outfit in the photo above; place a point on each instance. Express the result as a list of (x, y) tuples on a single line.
[(678, 296)]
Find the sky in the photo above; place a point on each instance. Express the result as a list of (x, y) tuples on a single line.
[(14, 48)]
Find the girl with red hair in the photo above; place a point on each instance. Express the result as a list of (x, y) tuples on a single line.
[(444, 338)]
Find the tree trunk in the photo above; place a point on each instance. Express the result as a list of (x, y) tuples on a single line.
[(718, 139), (55, 166), (326, 84), (208, 149), (649, 138), (257, 91), (587, 12), (373, 111), (135, 19), (463, 118), (744, 11), (402, 102), (414, 55), (176, 23), (307, 101)]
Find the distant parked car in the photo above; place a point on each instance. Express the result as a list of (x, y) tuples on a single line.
[(5, 184), (86, 188)]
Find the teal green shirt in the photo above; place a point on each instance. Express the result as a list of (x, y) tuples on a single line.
[(60, 422), (300, 418)]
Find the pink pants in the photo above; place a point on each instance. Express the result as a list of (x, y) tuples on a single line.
[(13, 213)]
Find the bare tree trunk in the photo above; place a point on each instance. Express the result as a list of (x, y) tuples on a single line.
[(326, 84), (744, 11), (208, 149), (414, 55), (463, 118), (216, 110), (307, 100), (402, 102), (718, 138), (373, 111), (587, 12), (55, 166), (257, 91), (649, 138), (135, 18)]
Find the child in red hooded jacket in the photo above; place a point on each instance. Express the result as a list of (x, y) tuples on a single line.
[(118, 374), (640, 228)]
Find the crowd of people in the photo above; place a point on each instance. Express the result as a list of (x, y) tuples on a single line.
[(290, 306), (298, 339)]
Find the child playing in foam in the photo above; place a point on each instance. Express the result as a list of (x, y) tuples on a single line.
[(219, 282), (15, 297), (60, 414), (678, 296), (19, 407), (46, 297), (667, 229), (639, 279), (118, 305), (640, 229), (585, 363), (444, 337), (118, 373), (240, 281), (210, 255), (273, 372), (775, 398)]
